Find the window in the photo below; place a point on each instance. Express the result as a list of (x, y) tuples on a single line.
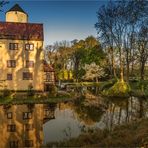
[(11, 63), (9, 115), (29, 64), (13, 144), (48, 77), (9, 76), (11, 127), (29, 47), (13, 46), (28, 143), (48, 114), (27, 115), (28, 127), (27, 76)]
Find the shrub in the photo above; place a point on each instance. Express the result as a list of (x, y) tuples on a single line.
[(119, 89), (6, 92), (140, 88), (30, 91), (53, 91)]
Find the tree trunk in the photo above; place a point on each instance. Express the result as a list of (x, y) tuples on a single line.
[(120, 111), (127, 73), (96, 85), (76, 70), (127, 110), (127, 65), (113, 63), (142, 70), (141, 110), (121, 66), (112, 116)]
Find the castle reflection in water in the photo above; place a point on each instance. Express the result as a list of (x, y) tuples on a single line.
[(22, 125)]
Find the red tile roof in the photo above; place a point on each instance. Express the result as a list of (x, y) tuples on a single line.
[(21, 31)]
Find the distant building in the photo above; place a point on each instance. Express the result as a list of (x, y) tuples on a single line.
[(49, 76), (21, 52)]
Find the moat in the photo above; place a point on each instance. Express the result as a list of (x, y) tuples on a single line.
[(35, 125)]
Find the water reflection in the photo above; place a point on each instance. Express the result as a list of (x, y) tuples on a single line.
[(71, 119), (22, 125), (124, 110), (35, 125)]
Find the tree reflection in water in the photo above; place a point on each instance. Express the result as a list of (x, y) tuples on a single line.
[(38, 124), (121, 110)]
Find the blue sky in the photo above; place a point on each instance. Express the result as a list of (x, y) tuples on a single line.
[(63, 20)]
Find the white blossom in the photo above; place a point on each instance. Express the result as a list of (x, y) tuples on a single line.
[(93, 71)]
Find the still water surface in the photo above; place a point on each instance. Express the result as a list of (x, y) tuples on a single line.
[(37, 124)]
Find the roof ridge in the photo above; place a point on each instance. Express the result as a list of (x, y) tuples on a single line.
[(21, 23), (16, 7)]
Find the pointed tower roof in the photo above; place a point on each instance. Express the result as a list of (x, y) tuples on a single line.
[(16, 7)]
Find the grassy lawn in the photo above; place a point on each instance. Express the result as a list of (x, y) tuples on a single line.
[(34, 100), (111, 88)]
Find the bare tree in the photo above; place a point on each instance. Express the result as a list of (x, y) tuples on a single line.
[(143, 49), (116, 26), (2, 3)]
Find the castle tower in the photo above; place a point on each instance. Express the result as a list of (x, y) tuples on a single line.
[(16, 14), (21, 47)]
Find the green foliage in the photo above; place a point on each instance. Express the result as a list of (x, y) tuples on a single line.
[(79, 53), (6, 92), (119, 89), (53, 91), (60, 75), (86, 113), (107, 84), (65, 75), (30, 91), (80, 73), (139, 88), (94, 54)]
